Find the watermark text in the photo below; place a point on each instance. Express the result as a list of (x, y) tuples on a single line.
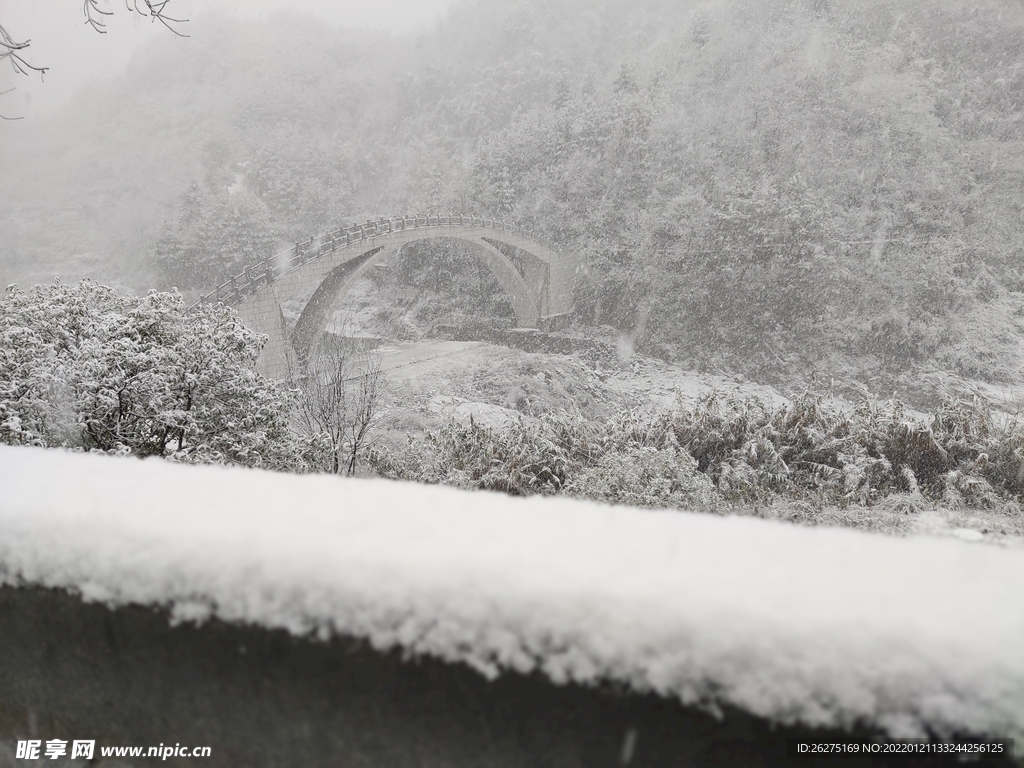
[(37, 749)]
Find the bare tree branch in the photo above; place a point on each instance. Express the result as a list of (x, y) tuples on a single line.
[(156, 10), (4, 117), (89, 7), (339, 390), (95, 16), (11, 50)]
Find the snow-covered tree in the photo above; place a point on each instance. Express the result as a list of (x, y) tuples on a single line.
[(215, 236), (338, 398), (84, 368)]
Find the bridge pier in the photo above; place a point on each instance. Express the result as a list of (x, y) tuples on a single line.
[(262, 313)]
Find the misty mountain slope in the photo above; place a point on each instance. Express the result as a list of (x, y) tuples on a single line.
[(110, 169), (777, 187), (764, 188)]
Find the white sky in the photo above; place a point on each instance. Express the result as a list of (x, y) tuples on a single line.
[(76, 54)]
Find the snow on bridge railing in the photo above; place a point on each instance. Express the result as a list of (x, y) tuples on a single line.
[(260, 275)]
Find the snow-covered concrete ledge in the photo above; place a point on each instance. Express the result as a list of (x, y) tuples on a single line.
[(821, 627)]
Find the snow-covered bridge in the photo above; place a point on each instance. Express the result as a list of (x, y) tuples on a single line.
[(319, 272)]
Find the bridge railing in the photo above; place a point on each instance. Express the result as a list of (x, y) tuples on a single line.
[(257, 276)]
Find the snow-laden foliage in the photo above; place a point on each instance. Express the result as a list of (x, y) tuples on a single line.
[(745, 449), (810, 448), (214, 237), (84, 368), (525, 458), (645, 477), (559, 453)]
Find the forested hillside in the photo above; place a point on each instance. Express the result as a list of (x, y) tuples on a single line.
[(826, 186)]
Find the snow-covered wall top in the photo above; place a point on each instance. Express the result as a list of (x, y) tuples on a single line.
[(819, 626)]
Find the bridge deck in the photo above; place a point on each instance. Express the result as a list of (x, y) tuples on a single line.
[(259, 275)]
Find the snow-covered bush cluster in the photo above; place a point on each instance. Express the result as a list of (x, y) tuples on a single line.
[(727, 449), (84, 368), (561, 453), (809, 448), (522, 459)]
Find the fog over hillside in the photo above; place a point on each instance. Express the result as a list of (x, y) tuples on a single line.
[(784, 184), (74, 53)]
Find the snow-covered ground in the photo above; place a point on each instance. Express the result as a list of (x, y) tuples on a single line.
[(531, 383), (817, 626)]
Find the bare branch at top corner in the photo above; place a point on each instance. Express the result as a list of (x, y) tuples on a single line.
[(90, 7), (153, 9), (5, 117), (11, 50), (156, 10)]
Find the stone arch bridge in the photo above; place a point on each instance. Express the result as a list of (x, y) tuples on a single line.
[(320, 271)]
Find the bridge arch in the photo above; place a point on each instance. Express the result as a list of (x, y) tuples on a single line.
[(538, 280)]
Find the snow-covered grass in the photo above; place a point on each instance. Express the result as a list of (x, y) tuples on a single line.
[(826, 627)]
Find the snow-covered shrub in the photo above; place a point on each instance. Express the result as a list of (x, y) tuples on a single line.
[(809, 440), (630, 461), (526, 457), (1003, 463), (809, 448), (84, 368), (967, 490), (632, 428), (733, 442), (646, 477), (740, 450)]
